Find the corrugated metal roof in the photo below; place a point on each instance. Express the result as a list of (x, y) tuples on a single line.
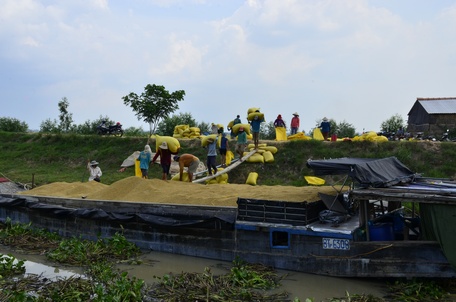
[(439, 106)]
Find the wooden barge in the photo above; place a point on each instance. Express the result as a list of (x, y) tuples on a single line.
[(368, 238)]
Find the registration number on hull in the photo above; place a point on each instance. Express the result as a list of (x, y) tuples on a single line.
[(336, 244)]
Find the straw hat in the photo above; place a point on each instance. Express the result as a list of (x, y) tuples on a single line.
[(94, 163), (164, 145), (296, 114), (325, 119)]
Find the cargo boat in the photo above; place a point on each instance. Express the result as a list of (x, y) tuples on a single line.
[(361, 232)]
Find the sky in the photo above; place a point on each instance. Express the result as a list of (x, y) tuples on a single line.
[(354, 61)]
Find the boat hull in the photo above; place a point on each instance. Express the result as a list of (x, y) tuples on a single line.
[(215, 233)]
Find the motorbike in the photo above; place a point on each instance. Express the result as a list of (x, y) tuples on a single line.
[(445, 137), (115, 130)]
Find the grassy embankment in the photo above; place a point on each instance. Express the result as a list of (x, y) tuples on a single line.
[(54, 158)]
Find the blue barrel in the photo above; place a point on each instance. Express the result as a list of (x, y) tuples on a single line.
[(381, 232)]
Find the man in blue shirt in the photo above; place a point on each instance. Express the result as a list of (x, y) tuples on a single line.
[(255, 124)]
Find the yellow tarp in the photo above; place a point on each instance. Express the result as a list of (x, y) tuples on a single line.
[(317, 134), (281, 134)]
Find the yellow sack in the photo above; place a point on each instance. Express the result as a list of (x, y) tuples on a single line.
[(268, 157), (317, 134), (253, 109), (230, 124), (246, 128), (281, 133), (253, 114), (256, 158), (272, 149), (315, 181), (138, 172), (252, 178), (204, 141), (173, 143), (184, 177), (229, 157)]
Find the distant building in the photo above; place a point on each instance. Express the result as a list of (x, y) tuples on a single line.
[(432, 115)]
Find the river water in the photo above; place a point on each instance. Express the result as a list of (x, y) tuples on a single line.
[(299, 285)]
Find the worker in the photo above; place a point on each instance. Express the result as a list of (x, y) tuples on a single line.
[(187, 160), (94, 170)]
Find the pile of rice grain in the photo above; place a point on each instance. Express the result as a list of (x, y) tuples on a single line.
[(135, 189)]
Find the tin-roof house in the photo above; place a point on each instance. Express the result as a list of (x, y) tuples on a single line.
[(432, 115)]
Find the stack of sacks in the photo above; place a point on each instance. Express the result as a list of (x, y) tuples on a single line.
[(221, 179), (370, 136), (252, 112), (264, 154), (185, 131), (299, 135)]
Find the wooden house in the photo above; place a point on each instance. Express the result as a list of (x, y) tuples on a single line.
[(432, 116)]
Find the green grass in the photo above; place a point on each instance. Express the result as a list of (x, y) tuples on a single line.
[(63, 158)]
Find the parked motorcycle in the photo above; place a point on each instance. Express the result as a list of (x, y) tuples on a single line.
[(115, 130), (445, 137)]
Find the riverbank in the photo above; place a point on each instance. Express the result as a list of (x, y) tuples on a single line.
[(43, 159)]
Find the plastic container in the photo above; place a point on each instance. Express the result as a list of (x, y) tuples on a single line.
[(381, 232)]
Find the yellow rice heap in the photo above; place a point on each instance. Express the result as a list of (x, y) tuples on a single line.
[(135, 189)]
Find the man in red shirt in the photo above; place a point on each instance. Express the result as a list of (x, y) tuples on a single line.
[(294, 123)]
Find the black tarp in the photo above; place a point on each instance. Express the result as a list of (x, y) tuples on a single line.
[(163, 219), (373, 172)]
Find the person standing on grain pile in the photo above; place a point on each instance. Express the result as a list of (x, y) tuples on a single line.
[(144, 161), (94, 170), (165, 159), (187, 160)]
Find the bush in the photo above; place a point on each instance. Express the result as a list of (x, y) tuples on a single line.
[(10, 124)]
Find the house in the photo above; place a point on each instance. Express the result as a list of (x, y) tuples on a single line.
[(432, 116)]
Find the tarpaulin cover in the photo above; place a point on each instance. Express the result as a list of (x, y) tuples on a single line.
[(164, 219), (366, 172)]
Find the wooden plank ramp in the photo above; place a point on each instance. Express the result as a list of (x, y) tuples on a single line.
[(227, 169)]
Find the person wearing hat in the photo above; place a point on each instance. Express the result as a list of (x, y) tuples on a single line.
[(165, 159), (325, 127), (187, 160), (94, 170), (144, 161), (241, 142), (279, 122), (211, 161), (294, 123)]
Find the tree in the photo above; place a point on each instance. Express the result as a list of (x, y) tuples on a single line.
[(345, 129), (267, 131), (166, 127), (10, 124), (66, 118), (204, 127), (49, 126), (393, 124), (154, 104)]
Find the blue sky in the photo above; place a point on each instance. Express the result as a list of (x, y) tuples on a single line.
[(355, 61)]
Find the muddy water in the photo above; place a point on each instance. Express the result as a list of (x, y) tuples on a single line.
[(299, 285)]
